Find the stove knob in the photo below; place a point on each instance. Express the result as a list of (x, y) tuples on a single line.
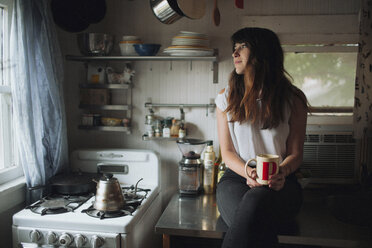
[(80, 240), (51, 238), (65, 239), (35, 236), (96, 241)]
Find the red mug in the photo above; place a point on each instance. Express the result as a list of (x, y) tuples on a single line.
[(266, 166)]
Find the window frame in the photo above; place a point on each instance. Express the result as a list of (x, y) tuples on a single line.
[(12, 169), (326, 48)]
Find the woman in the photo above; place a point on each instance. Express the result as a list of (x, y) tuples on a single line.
[(259, 112)]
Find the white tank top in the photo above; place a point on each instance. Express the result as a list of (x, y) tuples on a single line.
[(249, 140)]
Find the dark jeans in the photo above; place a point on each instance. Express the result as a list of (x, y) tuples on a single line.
[(254, 215)]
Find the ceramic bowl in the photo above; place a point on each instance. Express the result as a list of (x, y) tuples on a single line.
[(147, 49)]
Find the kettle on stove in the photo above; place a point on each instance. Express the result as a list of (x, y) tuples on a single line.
[(109, 196)]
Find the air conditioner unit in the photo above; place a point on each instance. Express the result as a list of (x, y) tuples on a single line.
[(330, 154)]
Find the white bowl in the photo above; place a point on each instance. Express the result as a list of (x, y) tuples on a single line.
[(127, 49)]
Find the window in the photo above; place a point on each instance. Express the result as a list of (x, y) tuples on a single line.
[(326, 74), (8, 164)]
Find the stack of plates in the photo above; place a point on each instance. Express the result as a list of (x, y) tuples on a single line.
[(189, 44)]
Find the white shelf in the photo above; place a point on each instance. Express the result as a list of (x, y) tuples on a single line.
[(213, 59), (104, 107), (107, 128), (105, 86)]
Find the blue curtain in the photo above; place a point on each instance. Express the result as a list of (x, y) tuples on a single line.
[(37, 90)]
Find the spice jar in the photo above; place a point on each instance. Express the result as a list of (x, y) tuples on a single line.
[(182, 131), (175, 128), (149, 125), (158, 128), (166, 128)]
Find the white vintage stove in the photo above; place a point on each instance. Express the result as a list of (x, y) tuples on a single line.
[(77, 227)]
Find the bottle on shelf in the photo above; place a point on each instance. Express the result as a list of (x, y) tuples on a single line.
[(166, 128), (209, 171), (174, 130), (182, 131), (149, 125), (158, 128)]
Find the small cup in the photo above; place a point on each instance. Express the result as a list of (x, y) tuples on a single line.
[(266, 165)]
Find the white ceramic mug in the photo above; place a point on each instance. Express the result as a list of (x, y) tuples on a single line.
[(266, 166)]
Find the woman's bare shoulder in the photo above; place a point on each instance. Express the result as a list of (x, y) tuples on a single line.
[(222, 91)]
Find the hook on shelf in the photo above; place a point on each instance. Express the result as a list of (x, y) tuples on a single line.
[(182, 113), (150, 109)]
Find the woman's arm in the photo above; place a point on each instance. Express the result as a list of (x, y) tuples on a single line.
[(229, 155), (295, 143)]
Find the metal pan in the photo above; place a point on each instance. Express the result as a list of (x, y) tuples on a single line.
[(167, 11), (69, 184)]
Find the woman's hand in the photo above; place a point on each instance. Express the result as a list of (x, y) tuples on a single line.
[(251, 179), (277, 181)]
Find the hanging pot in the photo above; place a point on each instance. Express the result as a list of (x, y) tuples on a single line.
[(109, 196), (167, 11)]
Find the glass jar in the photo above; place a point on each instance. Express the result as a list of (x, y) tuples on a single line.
[(158, 129), (166, 128)]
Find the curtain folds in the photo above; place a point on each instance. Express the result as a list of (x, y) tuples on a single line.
[(37, 77), (363, 83)]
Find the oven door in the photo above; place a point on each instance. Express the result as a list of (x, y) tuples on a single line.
[(39, 237)]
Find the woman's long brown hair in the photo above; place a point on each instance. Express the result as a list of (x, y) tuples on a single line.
[(271, 83)]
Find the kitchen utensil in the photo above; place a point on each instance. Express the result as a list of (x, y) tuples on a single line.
[(76, 183), (216, 14), (109, 196), (147, 49), (127, 47), (73, 183), (166, 11), (93, 11), (193, 9), (66, 14), (239, 4), (190, 167), (96, 73), (76, 16), (123, 77), (95, 43), (266, 165), (191, 148)]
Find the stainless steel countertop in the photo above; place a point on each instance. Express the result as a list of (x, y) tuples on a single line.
[(198, 216)]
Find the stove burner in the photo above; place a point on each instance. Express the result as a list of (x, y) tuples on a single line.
[(91, 211), (133, 197), (57, 204)]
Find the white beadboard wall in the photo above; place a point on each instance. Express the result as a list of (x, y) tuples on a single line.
[(172, 82)]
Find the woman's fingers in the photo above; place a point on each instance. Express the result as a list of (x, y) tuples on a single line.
[(251, 180), (276, 182)]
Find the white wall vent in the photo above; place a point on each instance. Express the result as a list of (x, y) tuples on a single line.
[(331, 158)]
